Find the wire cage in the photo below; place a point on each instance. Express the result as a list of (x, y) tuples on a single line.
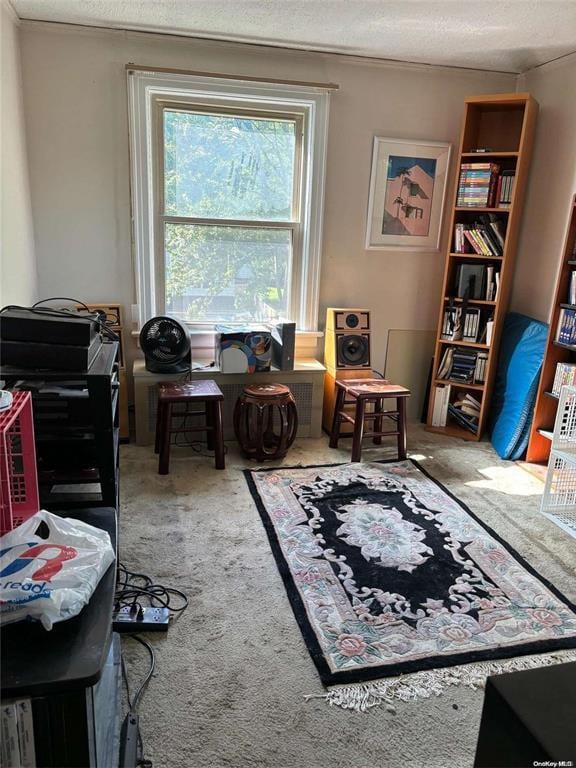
[(564, 437), (18, 474), (559, 498)]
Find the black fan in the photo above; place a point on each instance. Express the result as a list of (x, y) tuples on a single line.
[(165, 342)]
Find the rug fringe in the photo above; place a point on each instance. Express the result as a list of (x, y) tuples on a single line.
[(422, 685)]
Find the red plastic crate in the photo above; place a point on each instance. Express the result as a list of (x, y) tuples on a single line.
[(18, 475)]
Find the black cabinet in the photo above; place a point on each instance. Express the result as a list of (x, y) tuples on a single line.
[(70, 675), (76, 431)]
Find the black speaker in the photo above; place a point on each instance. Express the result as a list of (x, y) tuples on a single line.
[(353, 350), (283, 342)]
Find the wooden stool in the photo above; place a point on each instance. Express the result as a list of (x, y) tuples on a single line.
[(189, 393), (254, 421), (361, 392)]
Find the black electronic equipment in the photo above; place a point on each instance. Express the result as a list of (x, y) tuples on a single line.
[(47, 327), (53, 357), (165, 343), (283, 342)]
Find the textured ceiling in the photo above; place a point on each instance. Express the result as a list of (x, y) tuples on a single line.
[(504, 35)]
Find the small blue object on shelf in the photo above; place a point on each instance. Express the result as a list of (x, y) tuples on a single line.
[(517, 376)]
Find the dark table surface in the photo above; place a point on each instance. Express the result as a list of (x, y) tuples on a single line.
[(72, 654), (544, 700)]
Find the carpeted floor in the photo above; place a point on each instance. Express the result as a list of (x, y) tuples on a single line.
[(232, 672)]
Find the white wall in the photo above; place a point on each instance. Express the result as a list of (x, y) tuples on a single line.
[(17, 261), (550, 189), (75, 97)]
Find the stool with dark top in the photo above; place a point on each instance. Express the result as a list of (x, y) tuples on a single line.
[(254, 421), (363, 392), (189, 393)]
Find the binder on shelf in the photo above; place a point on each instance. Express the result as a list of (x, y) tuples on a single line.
[(489, 331), (441, 403), (451, 319), (480, 368), (471, 324)]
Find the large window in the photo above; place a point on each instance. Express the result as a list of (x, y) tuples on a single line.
[(227, 198)]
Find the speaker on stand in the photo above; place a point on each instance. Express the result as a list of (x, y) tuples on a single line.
[(347, 354)]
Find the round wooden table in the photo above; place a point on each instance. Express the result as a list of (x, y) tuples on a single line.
[(265, 421)]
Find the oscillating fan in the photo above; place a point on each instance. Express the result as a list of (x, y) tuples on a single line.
[(165, 342)]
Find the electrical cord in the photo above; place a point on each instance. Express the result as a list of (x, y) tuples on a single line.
[(133, 703), (132, 590), (130, 593)]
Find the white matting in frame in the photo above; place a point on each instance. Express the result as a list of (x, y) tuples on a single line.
[(407, 190)]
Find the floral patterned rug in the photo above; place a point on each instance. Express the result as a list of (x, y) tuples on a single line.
[(388, 573)]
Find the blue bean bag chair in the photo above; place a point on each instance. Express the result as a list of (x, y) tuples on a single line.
[(517, 376)]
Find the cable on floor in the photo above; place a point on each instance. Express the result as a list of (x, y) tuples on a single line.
[(134, 589)]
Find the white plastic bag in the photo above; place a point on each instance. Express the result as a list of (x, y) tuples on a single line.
[(50, 579)]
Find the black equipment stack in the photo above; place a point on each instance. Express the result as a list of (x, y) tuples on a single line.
[(40, 338)]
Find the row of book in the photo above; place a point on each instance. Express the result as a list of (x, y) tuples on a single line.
[(464, 409), (462, 364), (485, 185), (565, 375), (484, 237), (566, 329), (476, 281), (461, 324)]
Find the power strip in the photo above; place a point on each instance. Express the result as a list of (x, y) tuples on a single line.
[(141, 620)]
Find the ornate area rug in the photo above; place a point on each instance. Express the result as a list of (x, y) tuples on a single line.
[(388, 574)]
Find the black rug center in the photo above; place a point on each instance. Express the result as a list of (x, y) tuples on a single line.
[(429, 580)]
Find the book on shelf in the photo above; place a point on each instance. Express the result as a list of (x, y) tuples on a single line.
[(486, 333), (471, 325), (463, 419), (480, 368), (441, 403), (468, 404), (508, 179), (565, 375), (566, 328), (458, 364), (477, 185), (572, 288), (446, 364), (461, 323), (484, 237), (485, 185), (492, 283)]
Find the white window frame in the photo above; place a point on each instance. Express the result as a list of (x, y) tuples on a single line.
[(146, 92)]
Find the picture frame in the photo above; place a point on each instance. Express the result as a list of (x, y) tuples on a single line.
[(407, 192)]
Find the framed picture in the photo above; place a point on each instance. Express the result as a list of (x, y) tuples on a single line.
[(407, 189)]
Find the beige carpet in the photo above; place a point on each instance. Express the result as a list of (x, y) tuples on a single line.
[(233, 671)]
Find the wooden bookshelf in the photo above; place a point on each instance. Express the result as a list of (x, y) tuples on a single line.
[(555, 352), (503, 124)]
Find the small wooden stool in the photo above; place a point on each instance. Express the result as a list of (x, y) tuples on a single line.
[(189, 393), (361, 392), (254, 421)]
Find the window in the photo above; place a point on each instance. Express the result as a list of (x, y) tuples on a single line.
[(227, 186)]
